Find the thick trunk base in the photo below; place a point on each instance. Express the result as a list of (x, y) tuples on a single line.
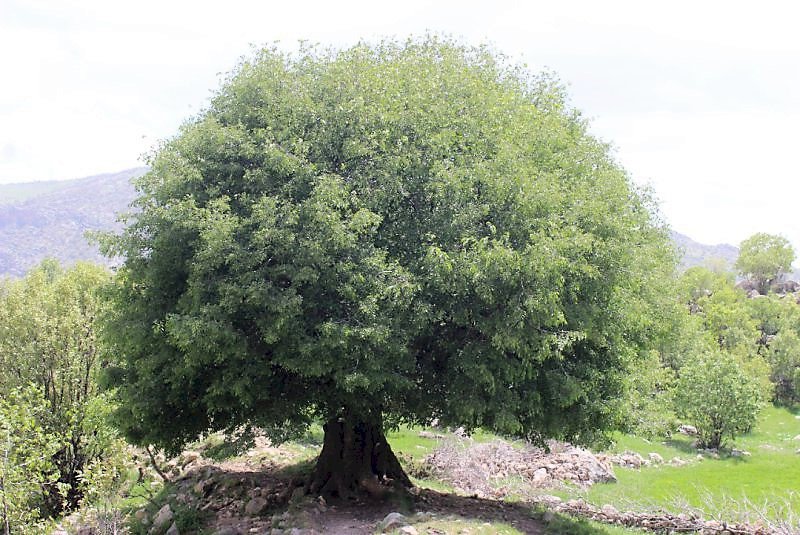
[(356, 460)]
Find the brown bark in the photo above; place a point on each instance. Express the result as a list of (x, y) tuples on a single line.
[(356, 460)]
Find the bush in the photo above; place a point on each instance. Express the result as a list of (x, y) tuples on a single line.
[(48, 339), (26, 452), (784, 359), (720, 395), (650, 389)]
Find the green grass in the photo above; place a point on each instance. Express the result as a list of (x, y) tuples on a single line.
[(768, 476), (407, 442)]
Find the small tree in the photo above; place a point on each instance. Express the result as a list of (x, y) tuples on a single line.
[(764, 258), (26, 453), (720, 395), (47, 338), (783, 356)]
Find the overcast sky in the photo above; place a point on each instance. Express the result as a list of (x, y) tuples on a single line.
[(701, 100)]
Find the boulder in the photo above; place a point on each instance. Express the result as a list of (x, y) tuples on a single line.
[(688, 430), (655, 458), (540, 475), (162, 518), (391, 522), (255, 506), (609, 510)]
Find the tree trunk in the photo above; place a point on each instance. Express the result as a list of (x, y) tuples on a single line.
[(356, 460)]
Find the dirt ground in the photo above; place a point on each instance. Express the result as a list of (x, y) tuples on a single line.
[(261, 493)]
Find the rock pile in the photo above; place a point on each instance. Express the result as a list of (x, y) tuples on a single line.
[(660, 522), (480, 468)]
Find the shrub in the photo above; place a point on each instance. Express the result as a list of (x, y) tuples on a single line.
[(26, 452), (720, 395), (48, 339)]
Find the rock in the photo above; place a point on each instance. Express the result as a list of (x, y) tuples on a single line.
[(609, 510), (59, 532), (409, 530), (677, 461), (540, 475), (163, 517), (202, 488), (739, 453), (655, 458), (688, 430), (189, 457), (173, 530), (549, 500), (230, 530), (629, 459), (797, 437), (255, 507), (391, 522)]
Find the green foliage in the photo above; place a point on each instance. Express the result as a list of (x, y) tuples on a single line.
[(649, 401), (411, 230), (784, 359), (720, 395), (721, 310), (47, 338), (764, 258), (26, 453)]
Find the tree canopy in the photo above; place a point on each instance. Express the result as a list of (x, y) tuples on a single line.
[(389, 233), (764, 258)]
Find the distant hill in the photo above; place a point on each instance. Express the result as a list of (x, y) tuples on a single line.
[(698, 254), (49, 219)]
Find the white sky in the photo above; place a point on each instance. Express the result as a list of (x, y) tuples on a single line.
[(701, 99)]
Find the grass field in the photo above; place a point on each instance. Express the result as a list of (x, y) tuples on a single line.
[(768, 479)]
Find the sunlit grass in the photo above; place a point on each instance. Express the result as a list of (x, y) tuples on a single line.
[(767, 479)]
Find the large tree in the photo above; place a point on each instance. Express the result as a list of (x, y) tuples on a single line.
[(384, 234)]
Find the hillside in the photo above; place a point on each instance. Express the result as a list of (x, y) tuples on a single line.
[(50, 219), (698, 254)]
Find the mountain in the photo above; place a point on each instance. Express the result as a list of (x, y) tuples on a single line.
[(50, 219), (697, 254), (41, 219)]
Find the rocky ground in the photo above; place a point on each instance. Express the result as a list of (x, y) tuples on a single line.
[(261, 492)]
